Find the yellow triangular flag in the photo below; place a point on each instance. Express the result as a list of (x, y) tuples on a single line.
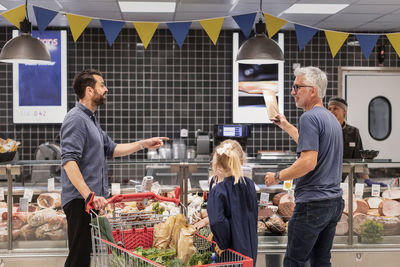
[(394, 39), (146, 31), (274, 24), (212, 28), (77, 24), (15, 15), (335, 40)]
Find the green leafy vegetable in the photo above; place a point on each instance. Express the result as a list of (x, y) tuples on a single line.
[(372, 232), (200, 258)]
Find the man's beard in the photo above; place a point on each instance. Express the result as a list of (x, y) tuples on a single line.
[(99, 99)]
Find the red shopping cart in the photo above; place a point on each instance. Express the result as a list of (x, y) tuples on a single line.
[(136, 230)]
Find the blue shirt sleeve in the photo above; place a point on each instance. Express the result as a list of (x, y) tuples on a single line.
[(73, 139), (308, 134), (219, 223), (109, 145)]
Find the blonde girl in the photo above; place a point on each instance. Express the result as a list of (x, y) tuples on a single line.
[(232, 203)]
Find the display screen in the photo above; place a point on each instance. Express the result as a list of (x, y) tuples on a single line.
[(232, 131), (237, 131)]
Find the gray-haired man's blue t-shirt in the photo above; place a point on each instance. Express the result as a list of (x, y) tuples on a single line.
[(83, 141), (320, 131)]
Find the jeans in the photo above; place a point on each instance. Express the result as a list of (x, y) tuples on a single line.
[(311, 231)]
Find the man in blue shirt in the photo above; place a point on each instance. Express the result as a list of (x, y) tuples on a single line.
[(84, 149), (318, 171)]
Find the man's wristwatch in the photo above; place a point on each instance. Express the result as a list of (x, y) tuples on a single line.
[(277, 177), (141, 144)]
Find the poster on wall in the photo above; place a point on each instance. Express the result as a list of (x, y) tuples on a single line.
[(254, 86), (40, 91)]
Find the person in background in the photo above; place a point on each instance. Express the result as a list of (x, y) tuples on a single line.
[(84, 149), (351, 136), (317, 171), (232, 203)]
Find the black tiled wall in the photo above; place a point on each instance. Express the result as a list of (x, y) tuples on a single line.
[(158, 91)]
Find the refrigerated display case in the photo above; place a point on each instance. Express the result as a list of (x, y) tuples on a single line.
[(350, 247)]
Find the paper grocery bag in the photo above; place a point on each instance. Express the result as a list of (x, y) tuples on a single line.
[(271, 103)]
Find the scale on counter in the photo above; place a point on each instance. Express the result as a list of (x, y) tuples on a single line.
[(238, 132), (46, 151)]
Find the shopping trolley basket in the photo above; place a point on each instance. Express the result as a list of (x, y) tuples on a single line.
[(130, 233)]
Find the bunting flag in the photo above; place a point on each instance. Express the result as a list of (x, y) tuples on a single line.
[(394, 39), (304, 35), (111, 29), (179, 30), (43, 17), (245, 22), (212, 28), (15, 15), (274, 24), (335, 40), (77, 24), (146, 31), (367, 43)]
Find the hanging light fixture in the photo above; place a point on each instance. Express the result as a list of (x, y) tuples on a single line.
[(25, 49), (259, 49)]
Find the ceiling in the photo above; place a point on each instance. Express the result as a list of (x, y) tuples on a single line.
[(360, 16)]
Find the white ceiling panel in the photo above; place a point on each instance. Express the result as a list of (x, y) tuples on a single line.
[(393, 19), (352, 18), (370, 9)]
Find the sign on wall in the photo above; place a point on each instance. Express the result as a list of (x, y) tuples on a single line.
[(249, 82), (40, 91)]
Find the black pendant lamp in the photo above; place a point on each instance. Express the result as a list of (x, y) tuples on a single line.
[(259, 49), (25, 49)]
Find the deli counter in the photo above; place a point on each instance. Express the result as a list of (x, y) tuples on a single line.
[(371, 234)]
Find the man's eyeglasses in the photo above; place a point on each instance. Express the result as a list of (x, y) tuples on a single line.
[(296, 87)]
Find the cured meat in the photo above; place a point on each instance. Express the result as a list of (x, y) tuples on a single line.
[(16, 234), (389, 207), (342, 226), (261, 226), (358, 220), (285, 210), (276, 199), (41, 231), (391, 225), (56, 222), (3, 205), (28, 232), (276, 225), (49, 200), (286, 198), (391, 194), (346, 205), (265, 213), (3, 234), (59, 234), (40, 217), (362, 206), (373, 212), (373, 202)]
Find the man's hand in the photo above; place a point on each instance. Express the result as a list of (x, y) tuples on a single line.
[(270, 179), (154, 142), (281, 121), (99, 203)]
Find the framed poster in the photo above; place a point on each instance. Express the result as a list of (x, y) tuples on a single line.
[(40, 91), (249, 82)]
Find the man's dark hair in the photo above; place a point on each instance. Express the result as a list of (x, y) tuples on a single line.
[(83, 79)]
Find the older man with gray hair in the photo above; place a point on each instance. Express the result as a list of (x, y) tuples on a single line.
[(318, 172)]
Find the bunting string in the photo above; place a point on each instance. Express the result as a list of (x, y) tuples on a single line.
[(212, 26)]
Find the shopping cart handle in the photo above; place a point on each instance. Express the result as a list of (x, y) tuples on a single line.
[(89, 202), (140, 196)]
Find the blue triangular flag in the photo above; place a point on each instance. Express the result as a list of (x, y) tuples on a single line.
[(111, 29), (43, 17), (304, 35), (245, 22), (179, 30), (367, 43)]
